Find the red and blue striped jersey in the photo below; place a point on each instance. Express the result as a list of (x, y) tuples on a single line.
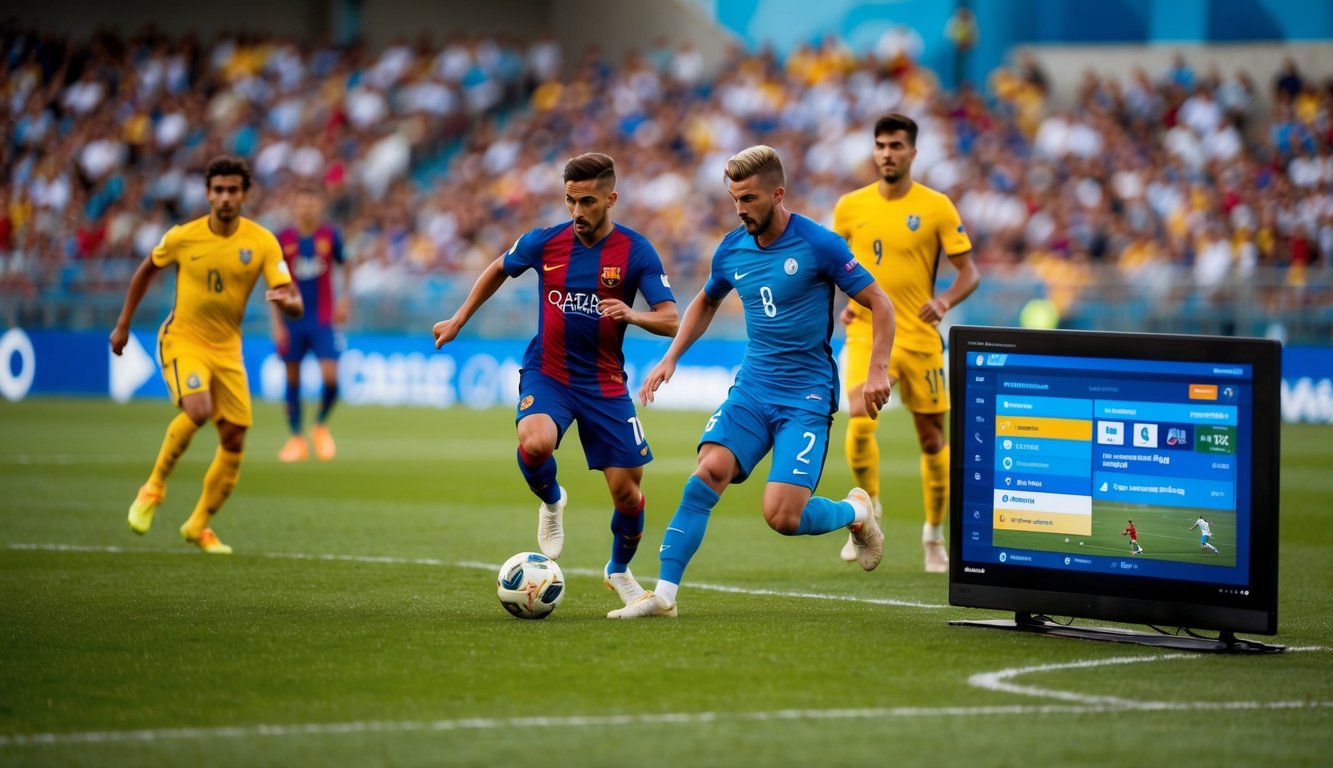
[(574, 344), (310, 259)]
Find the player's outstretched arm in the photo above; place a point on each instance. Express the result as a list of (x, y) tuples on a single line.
[(143, 277), (488, 282), (698, 316), (287, 299), (877, 386)]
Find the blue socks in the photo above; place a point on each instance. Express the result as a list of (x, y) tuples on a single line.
[(686, 530), (822, 515), (540, 474), (294, 407), (626, 530), (327, 397)]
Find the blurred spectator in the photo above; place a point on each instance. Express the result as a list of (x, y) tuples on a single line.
[(432, 153)]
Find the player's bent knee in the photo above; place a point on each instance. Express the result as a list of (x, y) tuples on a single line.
[(537, 450)]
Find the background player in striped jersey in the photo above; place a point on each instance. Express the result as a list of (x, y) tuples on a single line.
[(589, 270), (312, 248), (219, 259), (784, 267), (897, 228)]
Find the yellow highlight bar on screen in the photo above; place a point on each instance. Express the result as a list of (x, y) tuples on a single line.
[(1043, 522), (1035, 426)]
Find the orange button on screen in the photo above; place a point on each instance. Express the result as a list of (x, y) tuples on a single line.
[(1203, 391)]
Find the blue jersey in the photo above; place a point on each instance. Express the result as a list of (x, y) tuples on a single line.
[(787, 292), (574, 344)]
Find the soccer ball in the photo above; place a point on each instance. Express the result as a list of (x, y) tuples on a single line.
[(530, 585)]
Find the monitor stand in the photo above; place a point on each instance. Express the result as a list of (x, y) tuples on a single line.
[(1225, 642)]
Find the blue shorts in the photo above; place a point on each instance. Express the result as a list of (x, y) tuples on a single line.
[(303, 338), (750, 429), (609, 427), (1203, 540)]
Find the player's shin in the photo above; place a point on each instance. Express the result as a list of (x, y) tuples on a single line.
[(822, 515), (179, 434), (862, 451), (935, 485), (293, 407), (626, 531), (327, 397), (539, 472), (686, 530), (220, 478)]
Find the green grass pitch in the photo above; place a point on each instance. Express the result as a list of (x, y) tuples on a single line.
[(357, 623)]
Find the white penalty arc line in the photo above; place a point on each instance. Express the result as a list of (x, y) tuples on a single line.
[(592, 721), (475, 565), (1000, 682)]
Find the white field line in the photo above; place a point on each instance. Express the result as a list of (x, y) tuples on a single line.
[(1000, 681), (994, 681), (602, 721), (472, 564)]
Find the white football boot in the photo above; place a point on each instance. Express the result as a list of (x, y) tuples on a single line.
[(551, 526)]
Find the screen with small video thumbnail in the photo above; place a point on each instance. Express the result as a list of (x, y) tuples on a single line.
[(1126, 463)]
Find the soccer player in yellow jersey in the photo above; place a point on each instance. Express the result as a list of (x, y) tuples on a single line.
[(897, 229), (218, 260)]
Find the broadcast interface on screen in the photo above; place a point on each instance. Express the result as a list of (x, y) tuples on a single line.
[(1126, 466)]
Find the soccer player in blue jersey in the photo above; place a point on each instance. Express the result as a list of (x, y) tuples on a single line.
[(784, 266), (313, 249), (589, 270)]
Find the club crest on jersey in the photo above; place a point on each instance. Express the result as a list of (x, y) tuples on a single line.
[(525, 403), (610, 276), (323, 247), (789, 266), (913, 222), (246, 255)]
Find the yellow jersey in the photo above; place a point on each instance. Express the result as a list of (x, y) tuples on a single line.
[(899, 242), (214, 278)]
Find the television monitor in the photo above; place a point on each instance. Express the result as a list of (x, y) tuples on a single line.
[(1061, 440)]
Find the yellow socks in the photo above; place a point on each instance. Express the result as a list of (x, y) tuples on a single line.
[(863, 454), (935, 484), (179, 433), (218, 481)]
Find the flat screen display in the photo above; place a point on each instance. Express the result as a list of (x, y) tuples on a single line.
[(1127, 477)]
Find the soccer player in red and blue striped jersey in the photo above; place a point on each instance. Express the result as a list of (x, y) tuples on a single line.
[(589, 271), (313, 249)]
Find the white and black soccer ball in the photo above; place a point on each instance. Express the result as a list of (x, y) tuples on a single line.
[(530, 585)]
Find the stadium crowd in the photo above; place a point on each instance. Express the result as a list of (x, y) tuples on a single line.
[(435, 156)]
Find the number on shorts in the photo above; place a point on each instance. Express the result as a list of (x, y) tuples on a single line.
[(637, 426), (935, 379), (712, 421), (810, 436)]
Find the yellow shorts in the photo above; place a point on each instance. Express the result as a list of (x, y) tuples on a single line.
[(921, 387), (190, 368)]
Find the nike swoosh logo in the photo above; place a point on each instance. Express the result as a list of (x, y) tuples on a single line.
[(677, 530), (739, 275), (664, 548), (799, 472), (197, 257), (549, 267)]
